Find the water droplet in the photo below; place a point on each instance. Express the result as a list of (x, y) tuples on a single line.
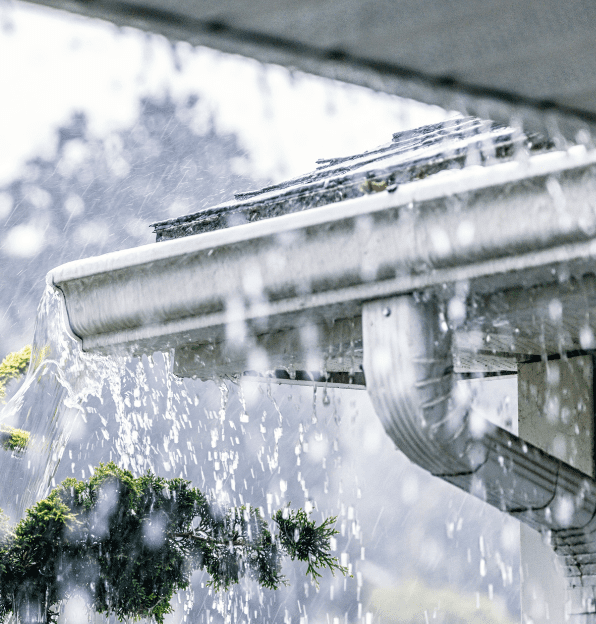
[(586, 337), (555, 310)]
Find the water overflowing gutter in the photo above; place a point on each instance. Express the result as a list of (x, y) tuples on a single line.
[(383, 267), (510, 224)]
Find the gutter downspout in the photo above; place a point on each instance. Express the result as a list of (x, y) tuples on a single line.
[(408, 368)]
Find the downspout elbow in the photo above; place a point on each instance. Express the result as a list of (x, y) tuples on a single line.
[(409, 377)]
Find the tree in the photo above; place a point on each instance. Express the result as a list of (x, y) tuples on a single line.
[(131, 543), (12, 367), (99, 194)]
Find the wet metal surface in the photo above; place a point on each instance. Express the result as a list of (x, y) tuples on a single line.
[(510, 238)]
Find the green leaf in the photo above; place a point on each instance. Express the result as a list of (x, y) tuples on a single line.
[(13, 366)]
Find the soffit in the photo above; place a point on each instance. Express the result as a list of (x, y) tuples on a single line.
[(534, 60)]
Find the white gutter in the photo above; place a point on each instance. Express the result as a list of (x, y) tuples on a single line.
[(470, 224), (507, 225)]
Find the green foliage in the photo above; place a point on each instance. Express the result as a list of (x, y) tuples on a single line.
[(302, 539), (13, 439), (13, 366), (236, 544), (32, 555), (131, 543)]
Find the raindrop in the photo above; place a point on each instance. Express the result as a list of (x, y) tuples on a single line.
[(465, 232), (555, 310), (586, 337), (564, 511), (6, 205)]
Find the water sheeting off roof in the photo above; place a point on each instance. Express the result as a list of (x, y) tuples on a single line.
[(531, 59), (411, 155)]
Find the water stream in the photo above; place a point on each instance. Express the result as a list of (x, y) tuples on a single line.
[(48, 405), (265, 445)]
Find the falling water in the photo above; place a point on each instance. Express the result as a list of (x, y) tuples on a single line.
[(48, 405), (241, 444)]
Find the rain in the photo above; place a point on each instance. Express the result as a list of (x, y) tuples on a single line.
[(266, 408)]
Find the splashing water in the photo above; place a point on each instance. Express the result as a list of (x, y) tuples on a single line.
[(49, 404), (45, 406), (64, 387), (291, 448)]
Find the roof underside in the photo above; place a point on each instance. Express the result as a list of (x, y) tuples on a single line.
[(531, 59)]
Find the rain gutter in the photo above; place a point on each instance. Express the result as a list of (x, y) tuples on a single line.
[(387, 258), (509, 223)]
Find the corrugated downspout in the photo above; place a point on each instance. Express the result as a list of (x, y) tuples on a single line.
[(408, 368)]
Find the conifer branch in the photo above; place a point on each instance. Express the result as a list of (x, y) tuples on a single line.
[(132, 543), (13, 366), (12, 439)]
